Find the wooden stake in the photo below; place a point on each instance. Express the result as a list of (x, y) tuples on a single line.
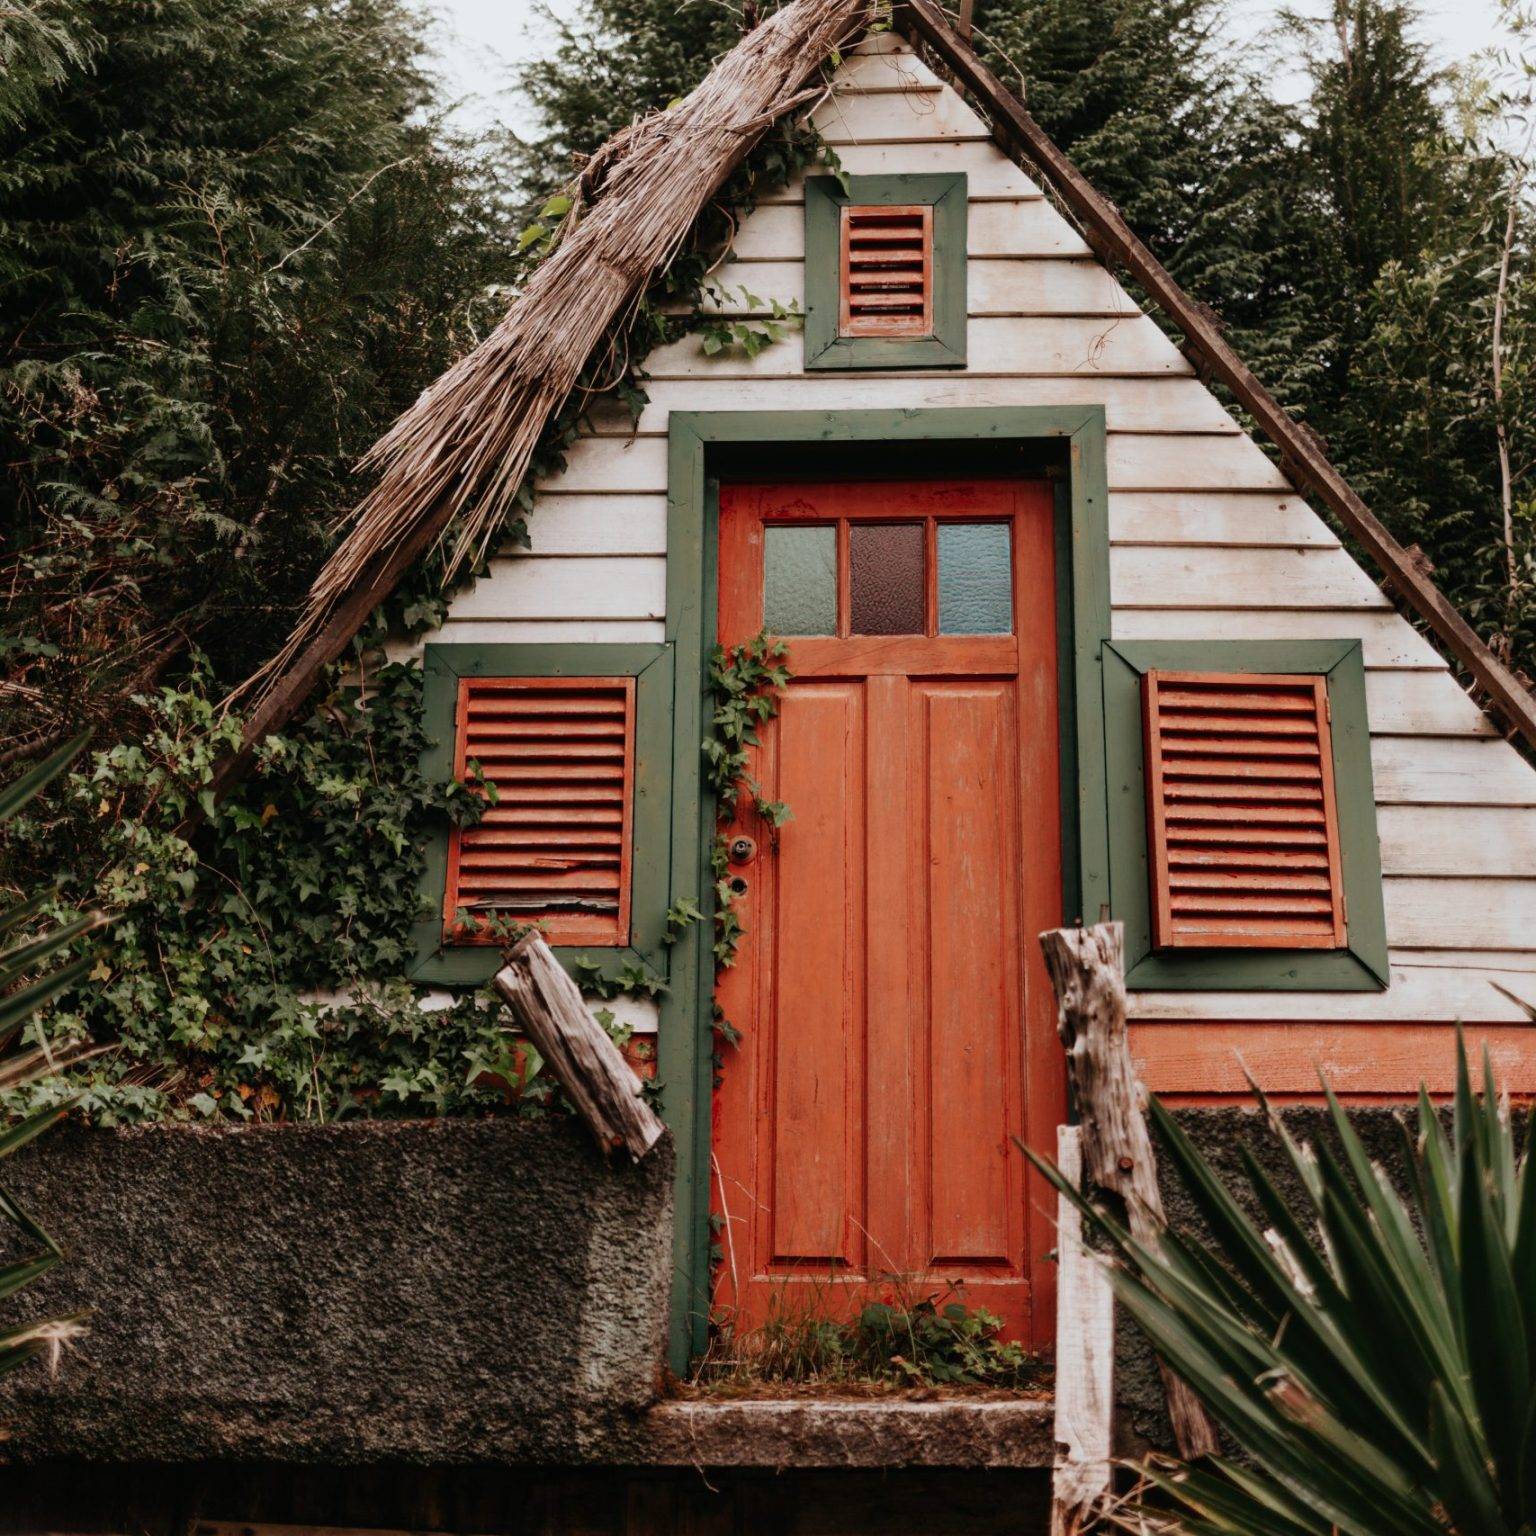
[(1087, 967), (1085, 1361), (551, 1011)]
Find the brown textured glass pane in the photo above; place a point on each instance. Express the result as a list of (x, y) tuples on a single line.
[(886, 578)]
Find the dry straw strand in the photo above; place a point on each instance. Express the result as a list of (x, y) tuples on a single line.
[(460, 452)]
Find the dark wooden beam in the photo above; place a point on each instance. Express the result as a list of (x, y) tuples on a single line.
[(1302, 457)]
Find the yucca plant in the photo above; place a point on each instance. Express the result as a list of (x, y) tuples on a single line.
[(30, 943), (1372, 1353)]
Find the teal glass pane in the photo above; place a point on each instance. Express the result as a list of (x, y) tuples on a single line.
[(800, 581), (975, 579)]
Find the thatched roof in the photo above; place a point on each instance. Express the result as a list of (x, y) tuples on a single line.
[(459, 454)]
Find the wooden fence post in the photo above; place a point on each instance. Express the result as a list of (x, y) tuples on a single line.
[(551, 1011), (1087, 967), (1085, 1361)]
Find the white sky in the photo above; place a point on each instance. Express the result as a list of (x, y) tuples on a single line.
[(479, 40)]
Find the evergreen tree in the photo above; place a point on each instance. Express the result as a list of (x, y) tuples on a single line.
[(232, 247)]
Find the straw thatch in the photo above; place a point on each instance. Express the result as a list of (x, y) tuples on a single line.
[(460, 452)]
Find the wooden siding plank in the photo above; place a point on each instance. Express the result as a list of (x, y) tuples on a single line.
[(886, 72), (1430, 770), (1220, 518), (548, 632), (1437, 993), (572, 524), (1224, 462), (1460, 914), (606, 464), (1284, 1058), (1154, 576), (1423, 704), (1050, 345), (1457, 840), (854, 117), (994, 288), (599, 587), (990, 175), (1131, 405), (1388, 639), (1014, 227)]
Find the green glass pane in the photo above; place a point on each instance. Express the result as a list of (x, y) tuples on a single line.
[(975, 579), (800, 581)]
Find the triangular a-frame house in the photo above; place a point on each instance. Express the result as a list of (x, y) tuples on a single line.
[(1065, 641)]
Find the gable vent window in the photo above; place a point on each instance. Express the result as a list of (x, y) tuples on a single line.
[(1241, 810), (554, 847), (887, 271)]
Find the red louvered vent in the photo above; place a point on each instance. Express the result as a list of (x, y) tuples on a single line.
[(887, 271), (1241, 815), (554, 847)]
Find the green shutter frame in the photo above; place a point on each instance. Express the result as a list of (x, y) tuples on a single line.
[(1363, 966), (825, 197), (440, 964)]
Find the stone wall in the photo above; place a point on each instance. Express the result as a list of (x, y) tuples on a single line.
[(426, 1292)]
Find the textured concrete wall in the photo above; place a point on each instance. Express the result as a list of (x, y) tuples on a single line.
[(433, 1292)]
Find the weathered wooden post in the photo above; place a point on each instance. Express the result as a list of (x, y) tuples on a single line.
[(551, 1011), (1087, 968), (1085, 1362)]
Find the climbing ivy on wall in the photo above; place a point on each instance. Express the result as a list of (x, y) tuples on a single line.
[(256, 965)]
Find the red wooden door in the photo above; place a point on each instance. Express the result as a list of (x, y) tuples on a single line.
[(897, 1023)]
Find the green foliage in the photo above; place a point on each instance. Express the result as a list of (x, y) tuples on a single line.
[(1371, 1352), (745, 682), (233, 246), (28, 940), (905, 1337)]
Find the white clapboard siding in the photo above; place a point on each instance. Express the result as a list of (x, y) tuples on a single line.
[(990, 176), (1208, 542), (1026, 227), (618, 465), (1417, 993), (551, 632), (564, 587), (1411, 704), (1457, 840), (1052, 345), (564, 524), (902, 71), (1148, 576), (1223, 462), (1460, 914), (1002, 287), (1216, 518), (1176, 405), (896, 117), (1387, 639), (1431, 770)]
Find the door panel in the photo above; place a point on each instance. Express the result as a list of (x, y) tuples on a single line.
[(897, 1027), (973, 941), (812, 1115)]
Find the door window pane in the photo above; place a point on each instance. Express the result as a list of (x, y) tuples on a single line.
[(800, 580), (886, 586), (975, 579)]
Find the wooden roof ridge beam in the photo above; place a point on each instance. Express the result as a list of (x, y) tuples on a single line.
[(1301, 452)]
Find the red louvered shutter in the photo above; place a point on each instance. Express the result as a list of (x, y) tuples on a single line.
[(1241, 814), (555, 847), (887, 271)]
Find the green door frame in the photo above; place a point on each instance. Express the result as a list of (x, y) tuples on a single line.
[(705, 444)]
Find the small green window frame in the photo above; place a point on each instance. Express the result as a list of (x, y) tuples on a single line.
[(442, 964), (1362, 966), (825, 198)]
